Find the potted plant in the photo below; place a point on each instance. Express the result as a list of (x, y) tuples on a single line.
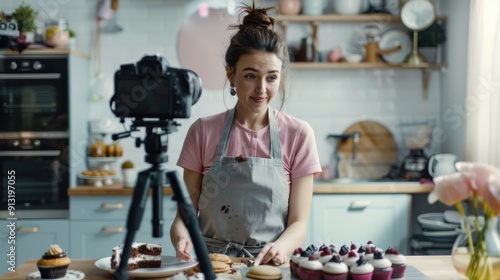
[(430, 41), (25, 17)]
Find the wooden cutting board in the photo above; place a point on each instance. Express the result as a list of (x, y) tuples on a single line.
[(377, 150)]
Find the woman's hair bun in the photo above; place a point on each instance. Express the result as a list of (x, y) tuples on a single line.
[(254, 17)]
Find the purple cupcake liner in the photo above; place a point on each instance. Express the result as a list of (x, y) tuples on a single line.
[(307, 274), (329, 276), (366, 276), (398, 271)]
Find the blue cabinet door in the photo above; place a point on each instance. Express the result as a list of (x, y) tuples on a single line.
[(341, 219), (32, 238)]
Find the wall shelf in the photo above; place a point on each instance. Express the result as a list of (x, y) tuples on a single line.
[(345, 65), (382, 18)]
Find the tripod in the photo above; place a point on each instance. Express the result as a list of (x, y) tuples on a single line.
[(154, 179)]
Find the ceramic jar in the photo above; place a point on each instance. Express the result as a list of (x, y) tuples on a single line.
[(313, 7), (288, 7)]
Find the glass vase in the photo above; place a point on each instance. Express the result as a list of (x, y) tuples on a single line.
[(487, 264)]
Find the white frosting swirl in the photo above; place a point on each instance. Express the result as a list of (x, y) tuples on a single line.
[(335, 268), (311, 265), (362, 269), (397, 259), (351, 261), (325, 259), (300, 259), (380, 263), (368, 256)]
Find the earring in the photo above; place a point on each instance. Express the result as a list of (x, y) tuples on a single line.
[(232, 91)]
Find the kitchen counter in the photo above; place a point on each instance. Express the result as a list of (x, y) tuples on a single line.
[(319, 188), (435, 267), (31, 51)]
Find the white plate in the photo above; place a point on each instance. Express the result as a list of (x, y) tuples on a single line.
[(435, 221), (392, 38), (169, 266), (70, 275)]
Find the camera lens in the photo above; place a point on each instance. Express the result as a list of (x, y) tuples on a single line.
[(196, 86)]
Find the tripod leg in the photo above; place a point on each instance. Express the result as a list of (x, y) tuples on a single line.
[(186, 210), (134, 218), (158, 203)]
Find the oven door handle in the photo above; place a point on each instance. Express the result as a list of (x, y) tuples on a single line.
[(37, 76), (31, 153)]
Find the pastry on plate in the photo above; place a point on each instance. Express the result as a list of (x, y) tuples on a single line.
[(54, 263)]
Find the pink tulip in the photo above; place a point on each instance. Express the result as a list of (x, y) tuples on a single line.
[(480, 178), (450, 189)]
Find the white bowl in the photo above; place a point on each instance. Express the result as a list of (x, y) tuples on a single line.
[(353, 58), (435, 222)]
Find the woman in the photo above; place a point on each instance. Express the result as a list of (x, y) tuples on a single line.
[(250, 170)]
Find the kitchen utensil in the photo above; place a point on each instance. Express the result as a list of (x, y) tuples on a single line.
[(376, 151), (339, 162), (442, 164), (112, 25), (392, 38), (414, 165)]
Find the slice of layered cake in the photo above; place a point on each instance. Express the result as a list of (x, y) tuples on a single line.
[(142, 255)]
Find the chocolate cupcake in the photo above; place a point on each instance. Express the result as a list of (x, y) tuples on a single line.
[(53, 263)]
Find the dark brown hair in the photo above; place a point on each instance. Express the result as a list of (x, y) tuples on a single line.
[(256, 33)]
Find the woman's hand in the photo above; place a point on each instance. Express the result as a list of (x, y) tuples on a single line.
[(182, 249), (272, 252)]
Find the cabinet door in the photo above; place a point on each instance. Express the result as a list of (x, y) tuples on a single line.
[(96, 240), (32, 238), (342, 219)]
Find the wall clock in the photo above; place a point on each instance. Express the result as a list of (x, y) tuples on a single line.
[(417, 15)]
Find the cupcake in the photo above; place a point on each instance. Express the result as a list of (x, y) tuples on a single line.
[(361, 270), (351, 259), (369, 253), (310, 269), (398, 263), (343, 252), (53, 263), (335, 269), (325, 255), (361, 250), (294, 260), (382, 267), (369, 244)]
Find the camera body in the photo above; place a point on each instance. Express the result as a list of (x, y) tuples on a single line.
[(152, 89)]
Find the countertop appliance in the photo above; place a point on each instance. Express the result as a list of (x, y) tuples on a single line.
[(34, 135)]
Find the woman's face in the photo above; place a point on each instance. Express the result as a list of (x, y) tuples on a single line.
[(257, 80)]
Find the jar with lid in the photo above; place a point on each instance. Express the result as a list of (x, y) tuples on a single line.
[(98, 148), (56, 33)]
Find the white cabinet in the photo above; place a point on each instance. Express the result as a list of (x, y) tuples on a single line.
[(345, 218), (32, 238), (98, 223)]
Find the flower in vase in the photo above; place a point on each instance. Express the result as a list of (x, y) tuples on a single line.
[(479, 183)]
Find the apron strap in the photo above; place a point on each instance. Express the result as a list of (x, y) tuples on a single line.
[(274, 135)]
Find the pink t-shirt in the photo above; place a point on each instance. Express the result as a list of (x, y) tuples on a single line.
[(298, 144)]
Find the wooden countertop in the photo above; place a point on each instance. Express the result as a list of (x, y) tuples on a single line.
[(319, 188), (43, 51), (434, 267)]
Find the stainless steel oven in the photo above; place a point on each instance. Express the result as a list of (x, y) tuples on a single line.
[(37, 164), (34, 134)]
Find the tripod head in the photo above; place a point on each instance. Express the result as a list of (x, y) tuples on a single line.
[(156, 140)]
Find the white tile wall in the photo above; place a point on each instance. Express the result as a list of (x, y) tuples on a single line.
[(330, 100)]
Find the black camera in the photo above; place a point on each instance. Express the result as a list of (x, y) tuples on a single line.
[(152, 89)]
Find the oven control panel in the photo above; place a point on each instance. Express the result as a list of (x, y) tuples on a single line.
[(30, 64)]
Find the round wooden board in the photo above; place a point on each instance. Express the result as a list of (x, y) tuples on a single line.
[(377, 150)]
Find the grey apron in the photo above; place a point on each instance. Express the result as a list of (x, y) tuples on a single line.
[(244, 201)]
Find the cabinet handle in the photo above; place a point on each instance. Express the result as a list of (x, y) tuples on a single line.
[(26, 229), (113, 206), (360, 204), (111, 229)]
